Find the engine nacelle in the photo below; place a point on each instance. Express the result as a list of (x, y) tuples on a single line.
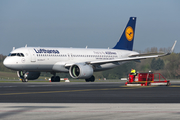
[(28, 75), (81, 71)]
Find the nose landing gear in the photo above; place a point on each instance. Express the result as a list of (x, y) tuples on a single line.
[(24, 80), (21, 75)]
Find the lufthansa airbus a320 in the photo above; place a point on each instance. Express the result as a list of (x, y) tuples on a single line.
[(80, 63)]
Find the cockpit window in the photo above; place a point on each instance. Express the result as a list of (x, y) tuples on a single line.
[(16, 54), (22, 55), (13, 54)]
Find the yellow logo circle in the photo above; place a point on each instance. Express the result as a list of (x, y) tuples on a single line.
[(129, 33)]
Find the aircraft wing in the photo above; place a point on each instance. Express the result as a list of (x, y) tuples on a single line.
[(134, 57), (130, 58), (121, 60)]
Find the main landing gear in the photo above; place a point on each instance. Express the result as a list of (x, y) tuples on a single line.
[(91, 79), (55, 78)]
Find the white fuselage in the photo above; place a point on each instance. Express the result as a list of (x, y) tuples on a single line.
[(55, 59)]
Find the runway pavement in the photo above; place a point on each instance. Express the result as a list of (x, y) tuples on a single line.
[(87, 101), (91, 111), (112, 92)]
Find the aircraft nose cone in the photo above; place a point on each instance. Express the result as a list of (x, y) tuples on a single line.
[(6, 62)]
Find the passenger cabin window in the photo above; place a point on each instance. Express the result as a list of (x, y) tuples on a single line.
[(16, 54)]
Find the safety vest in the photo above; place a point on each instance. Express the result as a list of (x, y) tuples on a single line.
[(133, 72)]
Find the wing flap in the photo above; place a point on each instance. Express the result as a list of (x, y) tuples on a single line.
[(146, 54)]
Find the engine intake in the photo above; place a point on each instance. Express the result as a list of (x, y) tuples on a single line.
[(81, 71)]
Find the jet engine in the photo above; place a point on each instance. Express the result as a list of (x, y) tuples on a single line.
[(81, 71), (28, 75)]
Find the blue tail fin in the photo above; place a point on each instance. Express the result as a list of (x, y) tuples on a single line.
[(127, 38)]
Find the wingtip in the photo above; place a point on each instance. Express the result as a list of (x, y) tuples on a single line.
[(172, 49)]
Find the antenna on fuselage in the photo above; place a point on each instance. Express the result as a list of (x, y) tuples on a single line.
[(86, 47), (26, 45), (13, 48)]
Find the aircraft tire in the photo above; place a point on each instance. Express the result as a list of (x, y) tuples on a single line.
[(24, 80), (87, 80), (55, 79), (91, 79), (52, 79)]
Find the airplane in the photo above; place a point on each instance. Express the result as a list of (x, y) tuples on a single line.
[(80, 63)]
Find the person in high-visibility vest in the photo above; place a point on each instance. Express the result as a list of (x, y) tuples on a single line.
[(133, 74)]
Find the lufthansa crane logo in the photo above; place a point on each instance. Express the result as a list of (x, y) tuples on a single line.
[(129, 33)]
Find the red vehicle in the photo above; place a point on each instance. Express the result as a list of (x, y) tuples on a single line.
[(146, 79)]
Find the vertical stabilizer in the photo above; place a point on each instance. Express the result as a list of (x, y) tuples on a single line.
[(126, 40)]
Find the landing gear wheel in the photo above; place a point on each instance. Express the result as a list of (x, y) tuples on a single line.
[(87, 80), (91, 79), (52, 79), (24, 80), (55, 79)]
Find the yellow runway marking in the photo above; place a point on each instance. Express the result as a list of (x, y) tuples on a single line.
[(70, 91), (174, 86)]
